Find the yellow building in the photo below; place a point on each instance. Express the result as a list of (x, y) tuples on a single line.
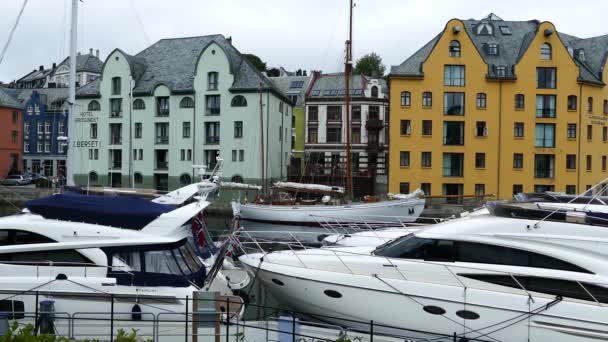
[(500, 107)]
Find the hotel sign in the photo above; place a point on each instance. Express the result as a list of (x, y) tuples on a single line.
[(86, 117)]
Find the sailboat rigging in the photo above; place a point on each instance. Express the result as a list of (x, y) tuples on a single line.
[(306, 212)]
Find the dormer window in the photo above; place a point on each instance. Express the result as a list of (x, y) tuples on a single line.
[(505, 30), (581, 55), (485, 29), (375, 91), (492, 49), (501, 71), (454, 48), (545, 51)]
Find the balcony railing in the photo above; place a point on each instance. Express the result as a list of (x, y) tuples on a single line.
[(162, 112), (453, 139), (374, 123), (452, 171), (162, 139), (115, 140), (117, 114), (543, 173), (212, 140), (545, 112), (115, 165), (373, 146), (162, 165), (212, 111)]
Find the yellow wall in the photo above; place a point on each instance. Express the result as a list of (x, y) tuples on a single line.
[(500, 116)]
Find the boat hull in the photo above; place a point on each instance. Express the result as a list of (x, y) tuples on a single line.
[(397, 307), (396, 211)]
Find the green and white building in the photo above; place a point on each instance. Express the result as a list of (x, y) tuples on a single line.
[(180, 102)]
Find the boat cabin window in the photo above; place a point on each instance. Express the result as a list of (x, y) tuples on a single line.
[(413, 247), (9, 237), (66, 257), (126, 261), (557, 287)]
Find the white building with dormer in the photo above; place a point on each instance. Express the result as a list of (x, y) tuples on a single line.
[(180, 102)]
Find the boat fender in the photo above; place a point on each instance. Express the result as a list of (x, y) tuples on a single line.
[(136, 313)]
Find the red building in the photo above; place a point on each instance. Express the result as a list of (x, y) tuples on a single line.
[(11, 130)]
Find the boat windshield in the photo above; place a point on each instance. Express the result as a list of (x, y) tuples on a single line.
[(176, 259)]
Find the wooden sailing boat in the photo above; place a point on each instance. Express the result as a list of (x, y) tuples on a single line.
[(404, 208)]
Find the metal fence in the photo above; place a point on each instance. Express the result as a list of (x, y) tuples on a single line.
[(221, 324)]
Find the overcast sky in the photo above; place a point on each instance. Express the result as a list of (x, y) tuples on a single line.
[(307, 34)]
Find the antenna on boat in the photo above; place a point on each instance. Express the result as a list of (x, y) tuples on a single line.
[(347, 71)]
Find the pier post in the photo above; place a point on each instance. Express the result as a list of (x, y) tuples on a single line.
[(36, 316), (227, 319), (186, 324), (293, 326), (111, 317), (371, 331)]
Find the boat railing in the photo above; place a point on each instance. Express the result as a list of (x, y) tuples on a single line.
[(312, 258), (81, 269), (371, 222)]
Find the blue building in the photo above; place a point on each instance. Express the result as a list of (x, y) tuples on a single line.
[(45, 119)]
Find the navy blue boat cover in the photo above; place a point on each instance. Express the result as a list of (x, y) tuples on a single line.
[(115, 211)]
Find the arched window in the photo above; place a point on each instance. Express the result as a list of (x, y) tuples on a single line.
[(605, 106), (93, 178), (519, 101), (406, 99), (427, 99), (138, 178), (94, 105), (590, 104), (139, 104), (186, 102), (185, 179), (236, 179), (454, 48), (375, 91), (545, 51), (239, 101)]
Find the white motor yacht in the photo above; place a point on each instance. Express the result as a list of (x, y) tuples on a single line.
[(481, 277), (89, 270)]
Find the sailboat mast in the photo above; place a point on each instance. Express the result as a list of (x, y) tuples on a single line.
[(262, 141), (72, 94), (347, 71)]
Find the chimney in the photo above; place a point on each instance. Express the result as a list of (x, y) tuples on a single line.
[(78, 54), (54, 66), (229, 39), (304, 73), (41, 68), (90, 51), (97, 53)]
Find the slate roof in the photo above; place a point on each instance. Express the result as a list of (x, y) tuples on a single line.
[(512, 47), (48, 95), (283, 83), (173, 62), (88, 63), (338, 81), (35, 75), (8, 98)]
